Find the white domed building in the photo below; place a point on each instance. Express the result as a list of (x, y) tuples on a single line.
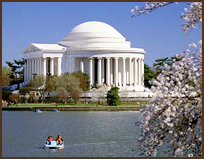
[(93, 47)]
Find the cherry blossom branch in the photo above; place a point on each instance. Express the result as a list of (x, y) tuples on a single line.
[(192, 16), (150, 7)]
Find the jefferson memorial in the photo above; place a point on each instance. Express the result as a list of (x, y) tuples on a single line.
[(93, 47)]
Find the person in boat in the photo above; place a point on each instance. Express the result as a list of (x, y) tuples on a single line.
[(37, 110), (59, 140), (49, 139)]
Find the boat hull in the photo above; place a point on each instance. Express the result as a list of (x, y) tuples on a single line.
[(55, 111), (37, 111), (54, 145)]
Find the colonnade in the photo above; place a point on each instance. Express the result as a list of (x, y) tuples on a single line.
[(40, 66), (119, 71), (134, 76)]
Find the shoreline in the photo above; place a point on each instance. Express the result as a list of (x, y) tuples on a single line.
[(73, 108)]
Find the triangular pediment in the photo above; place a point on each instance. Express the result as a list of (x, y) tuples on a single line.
[(32, 48)]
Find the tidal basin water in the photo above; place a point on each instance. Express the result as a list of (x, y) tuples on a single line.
[(85, 134)]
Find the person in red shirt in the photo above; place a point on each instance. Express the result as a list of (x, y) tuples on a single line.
[(59, 140), (49, 139)]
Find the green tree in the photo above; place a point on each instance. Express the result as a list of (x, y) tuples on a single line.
[(37, 84), (6, 94), (5, 71), (44, 84), (6, 80), (68, 83), (113, 97), (38, 81), (76, 94), (62, 94), (149, 74), (84, 80), (50, 83), (31, 96), (24, 90), (5, 76), (159, 63), (17, 71), (14, 98)]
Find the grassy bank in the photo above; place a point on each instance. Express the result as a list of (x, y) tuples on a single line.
[(31, 105)]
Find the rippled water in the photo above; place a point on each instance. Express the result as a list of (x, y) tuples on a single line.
[(86, 134)]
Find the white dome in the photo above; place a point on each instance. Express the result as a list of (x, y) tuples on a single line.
[(94, 26), (94, 34)]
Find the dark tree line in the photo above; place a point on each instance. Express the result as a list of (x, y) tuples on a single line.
[(16, 73)]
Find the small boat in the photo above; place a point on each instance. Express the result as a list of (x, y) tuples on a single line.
[(55, 110), (38, 111), (54, 145)]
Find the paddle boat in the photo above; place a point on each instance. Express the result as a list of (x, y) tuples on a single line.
[(53, 145), (37, 111), (55, 110)]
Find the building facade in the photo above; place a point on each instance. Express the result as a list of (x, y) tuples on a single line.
[(93, 47)]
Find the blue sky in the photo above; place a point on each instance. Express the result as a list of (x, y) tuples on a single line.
[(159, 33)]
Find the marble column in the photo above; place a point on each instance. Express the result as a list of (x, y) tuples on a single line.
[(30, 73), (44, 67), (142, 74), (136, 71), (25, 72), (52, 66), (91, 70), (102, 71), (82, 64), (59, 66), (29, 70), (99, 70), (139, 72), (41, 65), (35, 65), (111, 71), (130, 71), (38, 66), (33, 68), (124, 72), (116, 71), (108, 71)]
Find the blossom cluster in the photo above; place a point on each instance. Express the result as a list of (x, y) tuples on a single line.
[(193, 16), (173, 121), (149, 7), (99, 94)]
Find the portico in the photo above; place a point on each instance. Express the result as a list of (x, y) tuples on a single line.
[(42, 66)]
